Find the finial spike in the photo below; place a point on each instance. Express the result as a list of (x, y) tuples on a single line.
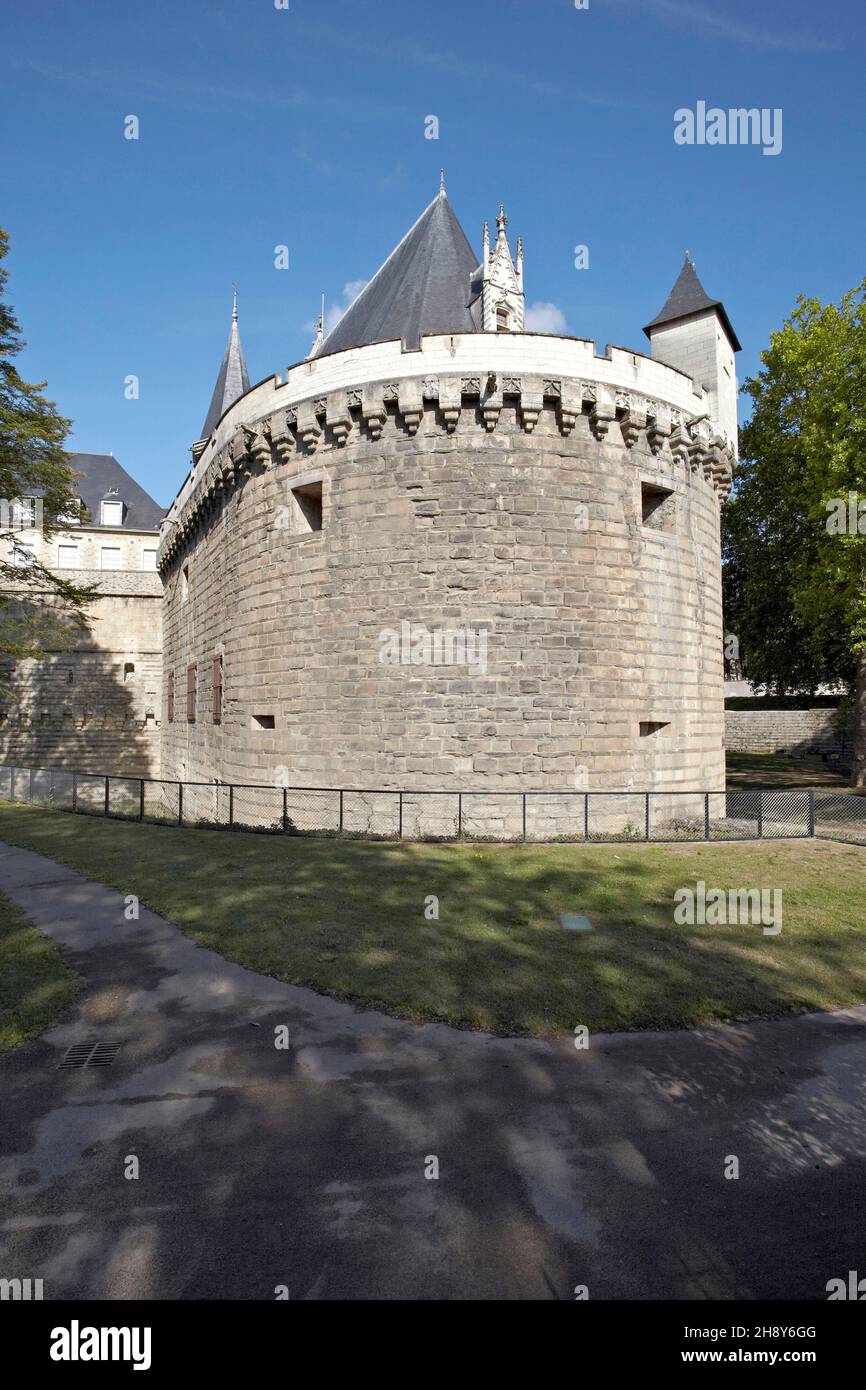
[(502, 220), (235, 303), (441, 180)]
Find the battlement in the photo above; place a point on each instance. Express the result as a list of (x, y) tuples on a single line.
[(334, 393)]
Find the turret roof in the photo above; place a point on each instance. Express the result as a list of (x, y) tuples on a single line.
[(423, 286), (232, 380), (688, 297)]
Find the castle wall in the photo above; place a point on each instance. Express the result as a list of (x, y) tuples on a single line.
[(785, 731), (84, 709), (513, 510)]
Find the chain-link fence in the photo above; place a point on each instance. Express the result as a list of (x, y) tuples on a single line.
[(591, 817)]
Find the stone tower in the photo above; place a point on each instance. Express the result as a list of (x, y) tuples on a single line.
[(444, 554), (693, 332)]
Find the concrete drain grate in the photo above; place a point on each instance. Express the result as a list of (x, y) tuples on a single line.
[(91, 1054)]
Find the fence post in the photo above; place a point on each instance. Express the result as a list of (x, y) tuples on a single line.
[(812, 814), (706, 815), (459, 815), (180, 803), (285, 810), (646, 836), (141, 799), (106, 796), (341, 810), (760, 815), (231, 805), (586, 815), (400, 828), (30, 793), (75, 791)]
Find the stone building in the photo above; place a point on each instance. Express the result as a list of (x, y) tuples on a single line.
[(95, 707), (445, 553)]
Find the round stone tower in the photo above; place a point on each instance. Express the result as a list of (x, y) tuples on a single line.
[(445, 553)]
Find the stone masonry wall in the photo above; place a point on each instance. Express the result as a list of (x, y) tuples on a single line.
[(519, 519), (782, 731), (85, 709)]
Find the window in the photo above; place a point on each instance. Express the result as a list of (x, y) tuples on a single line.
[(23, 556), (111, 513), (148, 559), (262, 721), (128, 670), (111, 557), (502, 319), (308, 507), (74, 516), (170, 695), (217, 690), (648, 727), (658, 506), (191, 683), (184, 584), (24, 513), (67, 557)]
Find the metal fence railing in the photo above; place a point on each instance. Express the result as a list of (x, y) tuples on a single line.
[(591, 817)]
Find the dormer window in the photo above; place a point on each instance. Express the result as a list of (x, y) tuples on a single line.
[(111, 509), (73, 517), (503, 323)]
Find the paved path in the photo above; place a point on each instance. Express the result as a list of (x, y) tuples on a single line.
[(306, 1168)]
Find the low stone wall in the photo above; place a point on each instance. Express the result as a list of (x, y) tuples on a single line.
[(790, 731)]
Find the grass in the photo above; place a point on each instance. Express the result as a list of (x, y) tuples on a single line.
[(35, 984), (349, 920)]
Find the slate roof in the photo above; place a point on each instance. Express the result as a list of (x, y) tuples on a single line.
[(101, 472), (687, 297), (232, 380), (423, 287)]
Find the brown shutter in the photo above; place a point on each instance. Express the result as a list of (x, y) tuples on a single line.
[(190, 693), (217, 690), (170, 698)]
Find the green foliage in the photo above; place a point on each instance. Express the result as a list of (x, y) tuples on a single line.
[(37, 609), (795, 591)]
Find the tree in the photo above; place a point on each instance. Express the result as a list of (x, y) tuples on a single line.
[(794, 532), (38, 609)]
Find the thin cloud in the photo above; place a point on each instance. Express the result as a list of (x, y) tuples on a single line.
[(724, 26), (335, 311)]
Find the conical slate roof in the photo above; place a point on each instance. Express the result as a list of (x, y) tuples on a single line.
[(232, 381), (423, 287), (687, 297)]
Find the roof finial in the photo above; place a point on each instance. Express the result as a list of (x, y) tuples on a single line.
[(320, 333), (441, 180), (234, 303), (689, 260), (502, 220)]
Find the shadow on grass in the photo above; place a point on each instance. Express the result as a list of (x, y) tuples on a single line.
[(356, 920)]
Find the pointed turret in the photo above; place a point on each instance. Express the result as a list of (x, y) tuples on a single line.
[(689, 297), (693, 333), (232, 380), (425, 286), (502, 299)]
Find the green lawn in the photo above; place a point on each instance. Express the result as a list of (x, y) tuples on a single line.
[(349, 920), (35, 985)]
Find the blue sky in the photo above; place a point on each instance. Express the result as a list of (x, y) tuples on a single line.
[(306, 127)]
